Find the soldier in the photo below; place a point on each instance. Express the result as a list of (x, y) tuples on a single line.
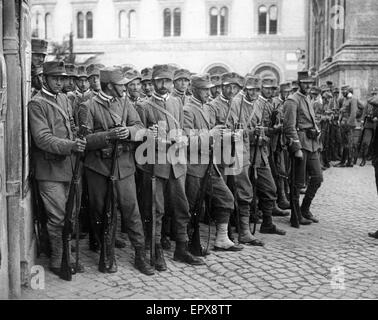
[(294, 86), (39, 52), (368, 126), (147, 86), (279, 149), (161, 113), (335, 134), (348, 123), (216, 86), (303, 136), (325, 127), (181, 81), (69, 81), (36, 80), (261, 126), (53, 148), (133, 87), (111, 119), (201, 133), (93, 73)]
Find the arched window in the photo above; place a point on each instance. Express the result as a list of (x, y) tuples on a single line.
[(48, 26), (89, 23), (213, 21), (273, 19), (122, 24), (268, 71), (217, 70), (132, 24), (223, 21), (167, 22), (262, 19), (36, 25), (177, 22), (80, 25)]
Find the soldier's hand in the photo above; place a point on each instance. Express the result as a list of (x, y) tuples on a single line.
[(79, 145), (217, 130), (298, 154), (119, 133), (154, 130), (238, 135), (260, 131)]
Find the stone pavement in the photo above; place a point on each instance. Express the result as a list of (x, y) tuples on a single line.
[(334, 259)]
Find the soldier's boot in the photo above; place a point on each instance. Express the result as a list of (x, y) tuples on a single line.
[(373, 234), (120, 243), (363, 161), (305, 210), (245, 235), (282, 202), (182, 254), (222, 241), (267, 225), (79, 268), (160, 264), (55, 237), (277, 212), (341, 164), (141, 262), (230, 233)]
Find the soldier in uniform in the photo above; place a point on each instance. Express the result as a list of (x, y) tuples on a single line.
[(147, 86), (294, 86), (216, 86), (202, 134), (181, 81), (111, 119), (348, 123), (93, 73), (69, 81), (279, 149), (36, 80), (161, 113), (39, 51), (53, 153), (303, 135), (369, 127), (133, 87), (325, 127), (335, 134)]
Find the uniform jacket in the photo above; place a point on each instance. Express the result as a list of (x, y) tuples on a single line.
[(52, 135), (150, 115), (348, 112), (77, 98), (99, 121), (299, 115), (368, 113)]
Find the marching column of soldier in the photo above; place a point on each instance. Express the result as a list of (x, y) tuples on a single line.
[(285, 135)]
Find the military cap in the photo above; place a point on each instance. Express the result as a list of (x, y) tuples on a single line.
[(232, 77), (132, 75), (181, 74), (146, 74), (315, 90), (269, 82), (327, 95), (345, 87), (112, 75), (82, 72), (173, 67), (94, 69), (252, 81), (201, 81), (39, 46), (324, 88), (285, 86), (124, 67), (71, 70), (162, 71), (304, 76), (215, 80), (294, 84), (35, 71), (54, 68)]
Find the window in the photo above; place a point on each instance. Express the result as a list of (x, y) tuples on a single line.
[(218, 21), (172, 23), (132, 24), (267, 20), (80, 25), (36, 27), (217, 70), (89, 22), (122, 24), (48, 26)]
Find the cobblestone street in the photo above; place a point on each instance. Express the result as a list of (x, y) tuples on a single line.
[(334, 259)]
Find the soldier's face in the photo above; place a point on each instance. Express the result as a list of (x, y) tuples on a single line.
[(305, 87), (344, 92), (82, 83), (202, 95), (267, 92), (69, 84), (38, 59), (162, 86), (134, 88), (252, 94), (116, 90), (36, 82), (55, 83), (181, 84), (94, 83), (285, 94), (230, 90), (148, 88), (215, 91)]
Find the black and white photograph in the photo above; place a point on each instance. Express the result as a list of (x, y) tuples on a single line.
[(203, 152)]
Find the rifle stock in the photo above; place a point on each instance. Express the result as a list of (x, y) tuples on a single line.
[(294, 219), (153, 216)]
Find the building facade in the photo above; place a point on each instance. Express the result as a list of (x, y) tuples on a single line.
[(258, 36), (343, 43)]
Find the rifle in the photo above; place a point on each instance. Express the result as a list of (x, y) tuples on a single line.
[(195, 246), (294, 219), (153, 212), (360, 140), (254, 179), (109, 218), (73, 200)]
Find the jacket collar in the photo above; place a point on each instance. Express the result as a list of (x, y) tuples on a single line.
[(49, 93), (161, 98)]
